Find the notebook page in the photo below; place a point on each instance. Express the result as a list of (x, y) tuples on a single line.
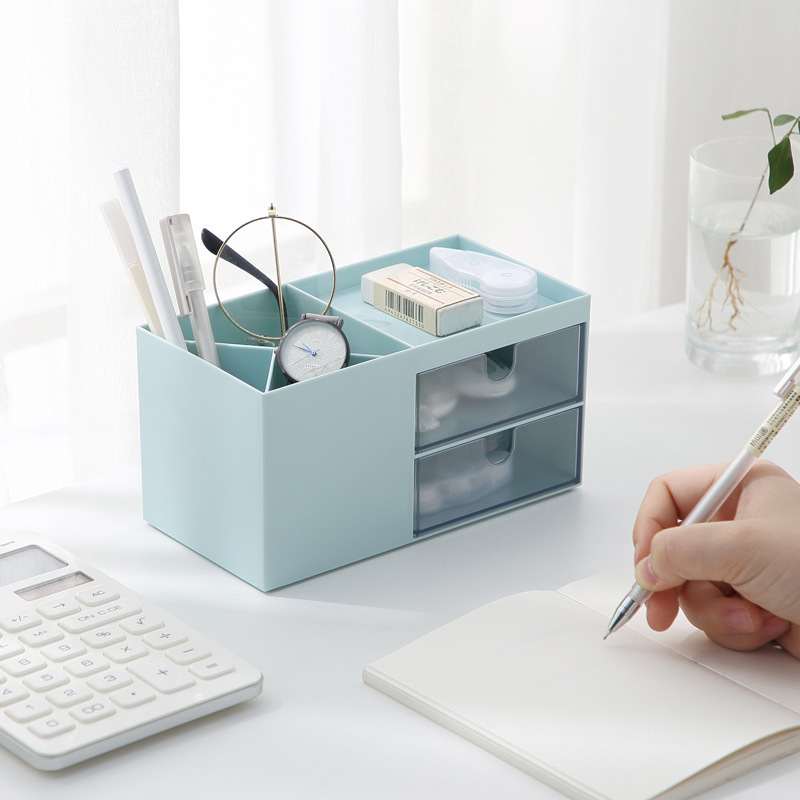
[(769, 670), (528, 678)]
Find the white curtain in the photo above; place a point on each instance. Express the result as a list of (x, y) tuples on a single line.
[(88, 87), (556, 131)]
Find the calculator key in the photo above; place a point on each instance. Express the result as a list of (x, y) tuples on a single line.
[(126, 651), (20, 621), (10, 647), (41, 636), (109, 680), (29, 711), (161, 674), (210, 669), (164, 638), (133, 696), (103, 637), (49, 727), (97, 595), (143, 623), (93, 711), (17, 666), (12, 694), (101, 615), (46, 679), (56, 609), (187, 653), (68, 696), (83, 667), (63, 651)]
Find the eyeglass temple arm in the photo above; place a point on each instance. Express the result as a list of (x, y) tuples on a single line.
[(214, 244)]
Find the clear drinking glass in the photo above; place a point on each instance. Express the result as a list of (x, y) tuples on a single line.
[(743, 271)]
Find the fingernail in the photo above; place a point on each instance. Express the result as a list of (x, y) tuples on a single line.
[(740, 620), (647, 578), (774, 626)]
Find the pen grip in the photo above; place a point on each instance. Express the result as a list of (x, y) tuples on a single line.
[(721, 489)]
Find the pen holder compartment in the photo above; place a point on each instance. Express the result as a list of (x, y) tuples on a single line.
[(278, 482)]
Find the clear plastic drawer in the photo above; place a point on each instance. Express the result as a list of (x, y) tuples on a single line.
[(500, 469), (498, 386)]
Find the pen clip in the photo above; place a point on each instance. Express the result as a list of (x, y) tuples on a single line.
[(184, 262), (788, 380)]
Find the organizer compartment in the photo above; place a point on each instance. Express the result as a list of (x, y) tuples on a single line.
[(498, 470), (278, 482), (504, 384)]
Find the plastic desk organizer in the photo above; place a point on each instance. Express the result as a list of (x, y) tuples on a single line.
[(420, 434)]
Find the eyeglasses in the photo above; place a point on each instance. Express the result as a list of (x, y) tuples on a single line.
[(224, 251)]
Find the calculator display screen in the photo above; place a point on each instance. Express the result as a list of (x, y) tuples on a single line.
[(26, 563), (53, 586)]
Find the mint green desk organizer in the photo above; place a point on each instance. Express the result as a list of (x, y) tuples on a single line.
[(419, 435)]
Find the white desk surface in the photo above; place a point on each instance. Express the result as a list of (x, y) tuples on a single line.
[(318, 732)]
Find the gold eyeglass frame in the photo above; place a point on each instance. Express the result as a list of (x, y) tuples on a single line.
[(272, 216)]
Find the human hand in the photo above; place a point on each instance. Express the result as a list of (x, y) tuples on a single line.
[(737, 577)]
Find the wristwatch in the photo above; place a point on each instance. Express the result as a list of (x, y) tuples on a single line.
[(313, 346)]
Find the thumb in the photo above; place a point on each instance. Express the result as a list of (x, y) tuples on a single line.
[(709, 551)]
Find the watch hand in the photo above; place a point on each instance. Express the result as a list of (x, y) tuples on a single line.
[(306, 348)]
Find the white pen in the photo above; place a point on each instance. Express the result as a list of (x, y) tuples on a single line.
[(147, 253), (187, 277), (121, 234), (728, 480)]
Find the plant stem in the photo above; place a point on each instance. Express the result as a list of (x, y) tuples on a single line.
[(752, 202)]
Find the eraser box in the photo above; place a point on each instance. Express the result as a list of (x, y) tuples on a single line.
[(419, 434)]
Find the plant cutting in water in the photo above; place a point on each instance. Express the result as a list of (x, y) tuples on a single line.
[(778, 171)]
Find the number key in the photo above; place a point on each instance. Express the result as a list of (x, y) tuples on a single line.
[(86, 666), (11, 694), (47, 679), (109, 680), (93, 711), (50, 726), (23, 665), (67, 696), (63, 651), (29, 711)]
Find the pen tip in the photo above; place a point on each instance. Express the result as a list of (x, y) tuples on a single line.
[(607, 635)]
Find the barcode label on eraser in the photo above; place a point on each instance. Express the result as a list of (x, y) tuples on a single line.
[(405, 308), (427, 301)]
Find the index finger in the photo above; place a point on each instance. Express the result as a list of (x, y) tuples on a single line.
[(667, 501)]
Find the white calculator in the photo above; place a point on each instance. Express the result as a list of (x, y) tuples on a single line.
[(87, 665)]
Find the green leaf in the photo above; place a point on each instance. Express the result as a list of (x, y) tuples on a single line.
[(736, 114), (784, 119), (781, 165)]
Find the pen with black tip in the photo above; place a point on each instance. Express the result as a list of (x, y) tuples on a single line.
[(723, 486)]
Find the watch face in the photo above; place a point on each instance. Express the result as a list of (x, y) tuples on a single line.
[(312, 347)]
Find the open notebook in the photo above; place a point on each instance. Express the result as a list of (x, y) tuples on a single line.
[(641, 715)]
